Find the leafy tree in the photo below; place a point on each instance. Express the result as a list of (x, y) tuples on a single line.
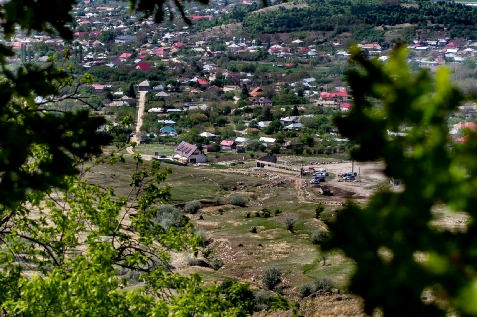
[(107, 36), (74, 234), (400, 253), (295, 111)]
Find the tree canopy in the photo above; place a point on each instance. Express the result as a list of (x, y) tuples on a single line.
[(406, 264)]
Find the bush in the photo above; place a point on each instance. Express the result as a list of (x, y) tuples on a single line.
[(324, 284), (290, 223), (247, 214), (319, 236), (277, 212), (167, 216), (253, 230), (266, 213), (306, 290), (261, 300), (318, 210), (193, 261), (327, 216), (216, 264), (271, 277), (200, 233), (192, 207), (239, 200)]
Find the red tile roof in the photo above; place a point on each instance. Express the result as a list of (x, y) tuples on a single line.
[(143, 65)]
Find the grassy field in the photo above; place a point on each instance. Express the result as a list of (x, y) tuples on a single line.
[(150, 149), (246, 254)]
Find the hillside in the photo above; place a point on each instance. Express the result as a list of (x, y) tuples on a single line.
[(365, 20)]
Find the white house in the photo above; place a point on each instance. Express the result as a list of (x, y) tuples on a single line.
[(189, 153)]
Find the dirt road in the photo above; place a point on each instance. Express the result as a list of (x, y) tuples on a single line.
[(140, 113)]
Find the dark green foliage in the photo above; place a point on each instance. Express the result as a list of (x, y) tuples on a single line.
[(266, 213), (272, 276), (327, 216), (318, 210), (192, 207), (324, 284), (239, 200), (253, 229), (364, 16)]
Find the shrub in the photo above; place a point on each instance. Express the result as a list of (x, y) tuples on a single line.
[(260, 301), (239, 200), (306, 290), (324, 284), (217, 201), (200, 233), (207, 252), (327, 216), (290, 223), (277, 212), (216, 264), (193, 261), (319, 236), (247, 214), (253, 230), (271, 277), (266, 213), (318, 210), (257, 214), (192, 207), (167, 216)]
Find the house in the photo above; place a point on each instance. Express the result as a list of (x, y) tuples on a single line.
[(98, 88), (262, 101), (267, 141), (166, 122), (228, 145), (143, 86), (125, 38), (143, 66), (162, 94), (263, 124), (208, 135), (168, 131), (240, 141), (337, 95), (189, 153), (124, 56), (290, 119), (345, 107), (293, 144), (267, 160), (293, 126), (458, 127), (256, 91)]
